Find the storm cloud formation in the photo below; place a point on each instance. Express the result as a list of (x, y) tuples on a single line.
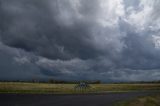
[(108, 40)]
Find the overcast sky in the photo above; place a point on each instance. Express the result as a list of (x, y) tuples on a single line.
[(108, 40)]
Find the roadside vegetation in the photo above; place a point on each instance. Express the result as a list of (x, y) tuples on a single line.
[(142, 101), (48, 88)]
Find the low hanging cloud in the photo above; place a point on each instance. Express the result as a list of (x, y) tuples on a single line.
[(108, 40)]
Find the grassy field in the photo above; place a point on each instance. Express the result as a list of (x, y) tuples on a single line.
[(142, 101), (38, 88)]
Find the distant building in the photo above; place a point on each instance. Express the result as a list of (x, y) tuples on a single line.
[(82, 85)]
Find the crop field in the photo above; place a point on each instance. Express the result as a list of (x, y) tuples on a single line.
[(44, 88)]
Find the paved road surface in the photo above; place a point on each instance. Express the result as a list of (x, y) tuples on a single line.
[(106, 99)]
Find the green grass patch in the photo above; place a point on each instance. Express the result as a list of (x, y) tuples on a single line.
[(142, 101)]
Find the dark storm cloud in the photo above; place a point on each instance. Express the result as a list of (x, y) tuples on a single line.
[(110, 40), (32, 26)]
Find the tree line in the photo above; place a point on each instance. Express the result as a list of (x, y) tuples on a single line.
[(54, 81)]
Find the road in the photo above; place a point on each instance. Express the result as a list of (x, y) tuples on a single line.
[(104, 99)]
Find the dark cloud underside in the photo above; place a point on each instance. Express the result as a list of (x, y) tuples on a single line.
[(114, 40)]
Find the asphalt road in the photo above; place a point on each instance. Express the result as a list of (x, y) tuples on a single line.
[(105, 99)]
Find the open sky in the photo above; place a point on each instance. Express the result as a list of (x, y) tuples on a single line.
[(108, 40)]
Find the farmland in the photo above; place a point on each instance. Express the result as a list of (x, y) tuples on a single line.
[(45, 88)]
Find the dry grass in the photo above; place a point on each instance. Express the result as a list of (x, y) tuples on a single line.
[(15, 87)]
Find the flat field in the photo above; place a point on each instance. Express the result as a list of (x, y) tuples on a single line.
[(44, 88)]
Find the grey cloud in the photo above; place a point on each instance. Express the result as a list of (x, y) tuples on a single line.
[(34, 29), (12, 70), (91, 39)]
